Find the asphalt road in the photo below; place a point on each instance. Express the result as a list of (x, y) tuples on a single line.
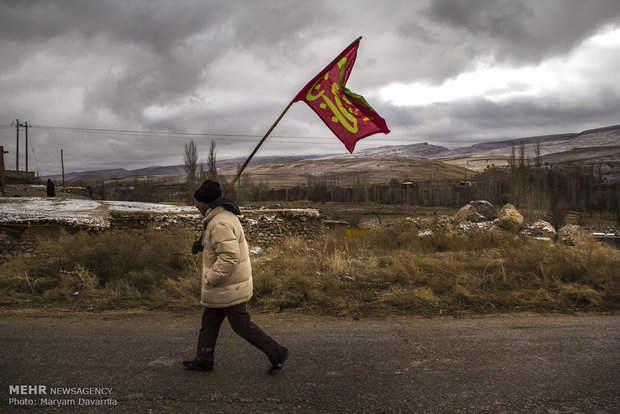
[(521, 363)]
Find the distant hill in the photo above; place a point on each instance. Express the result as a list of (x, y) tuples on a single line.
[(350, 171), (600, 137), (420, 150), (560, 148), (595, 145), (172, 170), (599, 155), (608, 136)]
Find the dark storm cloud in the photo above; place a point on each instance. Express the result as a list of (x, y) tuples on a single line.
[(413, 29), (152, 80), (146, 46), (157, 24), (501, 19), (523, 32), (439, 39), (175, 63), (478, 119)]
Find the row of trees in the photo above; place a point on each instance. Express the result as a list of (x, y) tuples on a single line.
[(536, 190), (149, 190)]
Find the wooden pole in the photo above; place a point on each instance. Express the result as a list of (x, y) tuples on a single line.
[(245, 164), (62, 163), (2, 182), (17, 146), (26, 126)]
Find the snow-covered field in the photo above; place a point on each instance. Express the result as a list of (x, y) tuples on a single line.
[(77, 212)]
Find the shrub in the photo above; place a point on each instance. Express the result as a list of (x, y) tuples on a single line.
[(393, 269), (117, 265), (386, 270)]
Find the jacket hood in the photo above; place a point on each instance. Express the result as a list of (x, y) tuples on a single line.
[(226, 204)]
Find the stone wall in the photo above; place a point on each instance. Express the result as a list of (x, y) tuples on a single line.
[(266, 227), (263, 228), (23, 239)]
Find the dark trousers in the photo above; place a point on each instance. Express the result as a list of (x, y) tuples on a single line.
[(240, 322)]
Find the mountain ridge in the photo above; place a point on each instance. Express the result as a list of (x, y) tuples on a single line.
[(555, 147)]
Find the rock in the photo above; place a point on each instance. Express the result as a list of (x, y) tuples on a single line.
[(476, 212), (442, 223), (541, 230), (466, 213), (420, 223), (510, 219), (572, 235), (485, 209), (427, 226)]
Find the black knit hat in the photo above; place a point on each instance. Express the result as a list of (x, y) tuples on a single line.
[(208, 192)]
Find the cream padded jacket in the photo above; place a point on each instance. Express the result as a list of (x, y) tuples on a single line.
[(226, 268)]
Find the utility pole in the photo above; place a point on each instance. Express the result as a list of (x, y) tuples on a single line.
[(26, 126), (17, 126), (62, 162), (2, 182), (16, 123)]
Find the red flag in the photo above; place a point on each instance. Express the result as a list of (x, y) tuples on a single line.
[(346, 113)]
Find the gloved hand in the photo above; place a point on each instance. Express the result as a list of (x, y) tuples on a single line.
[(197, 247)]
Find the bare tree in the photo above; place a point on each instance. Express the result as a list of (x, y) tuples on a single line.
[(191, 162), (212, 167), (202, 175)]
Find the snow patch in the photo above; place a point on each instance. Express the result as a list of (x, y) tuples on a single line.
[(137, 206), (250, 221), (425, 233), (79, 212), (256, 250), (65, 211)]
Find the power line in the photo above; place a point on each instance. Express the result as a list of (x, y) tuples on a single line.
[(179, 135), (205, 136)]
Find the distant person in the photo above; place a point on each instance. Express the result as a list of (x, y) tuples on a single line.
[(51, 188), (226, 281)]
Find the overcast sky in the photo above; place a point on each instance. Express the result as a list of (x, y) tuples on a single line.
[(446, 72)]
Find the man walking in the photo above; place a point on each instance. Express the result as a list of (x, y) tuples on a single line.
[(226, 281)]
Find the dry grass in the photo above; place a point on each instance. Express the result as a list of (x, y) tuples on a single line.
[(387, 270), (393, 270), (117, 269)]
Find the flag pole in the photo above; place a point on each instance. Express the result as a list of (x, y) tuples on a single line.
[(245, 164)]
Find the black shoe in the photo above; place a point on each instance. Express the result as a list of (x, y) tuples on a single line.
[(196, 366), (275, 368)]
